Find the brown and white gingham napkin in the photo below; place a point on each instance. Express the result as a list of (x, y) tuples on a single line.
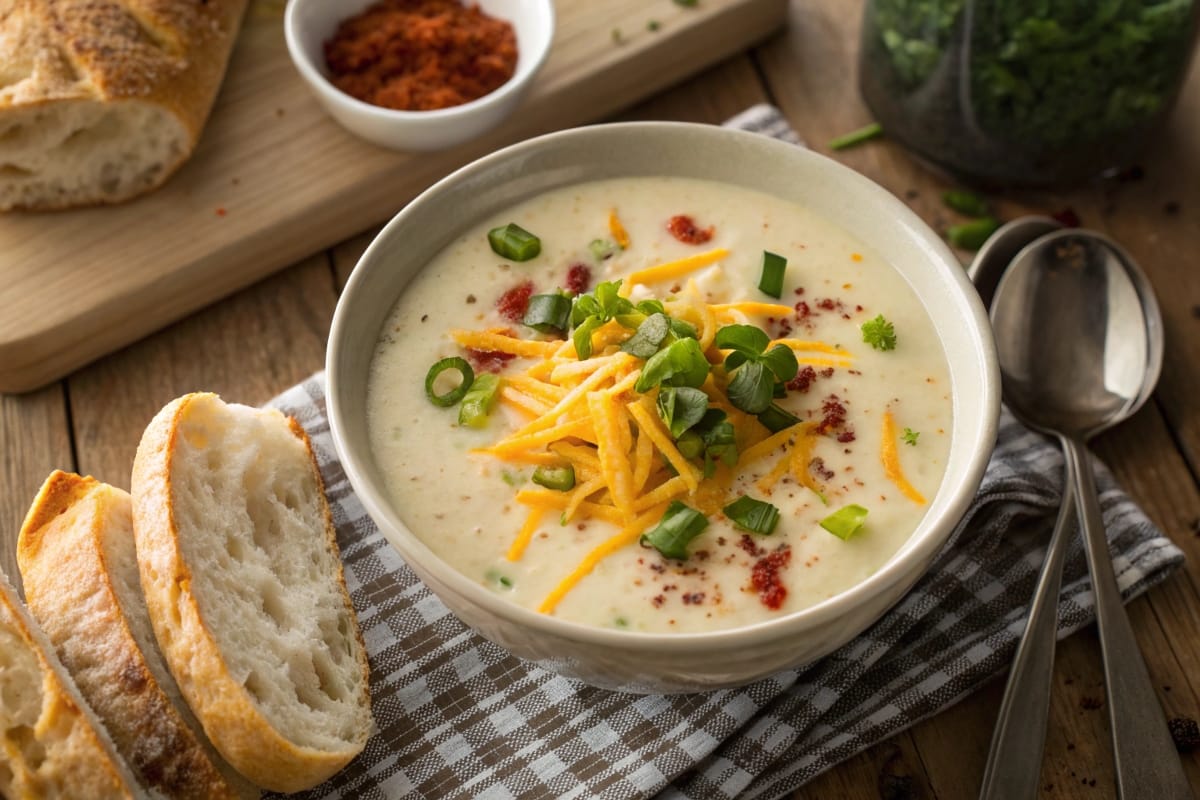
[(459, 717)]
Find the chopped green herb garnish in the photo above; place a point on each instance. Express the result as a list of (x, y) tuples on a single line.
[(680, 364), (678, 526), (971, 235), (776, 419), (771, 280), (653, 25), (910, 436), (856, 137), (681, 408), (590, 311), (753, 515), (561, 479), (478, 401), (754, 372), (458, 392), (602, 248), (846, 521), (548, 313), (621, 622), (682, 329), (965, 202), (752, 388), (514, 242), (879, 333), (649, 336)]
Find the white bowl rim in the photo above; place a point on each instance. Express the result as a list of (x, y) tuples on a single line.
[(378, 506), (304, 63)]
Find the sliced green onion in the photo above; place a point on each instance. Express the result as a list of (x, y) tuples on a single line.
[(776, 419), (478, 401), (602, 248), (971, 235), (753, 515), (752, 388), (514, 242), (561, 479), (454, 395), (681, 408), (678, 526), (856, 137), (649, 336), (548, 313), (965, 202), (846, 521), (771, 281), (681, 364)]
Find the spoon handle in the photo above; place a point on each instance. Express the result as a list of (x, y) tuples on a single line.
[(1014, 764), (1147, 763)]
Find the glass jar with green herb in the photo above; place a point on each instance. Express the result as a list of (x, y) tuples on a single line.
[(1025, 92)]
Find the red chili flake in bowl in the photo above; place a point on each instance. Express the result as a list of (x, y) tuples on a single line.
[(803, 381), (513, 304), (684, 228), (579, 279), (420, 55)]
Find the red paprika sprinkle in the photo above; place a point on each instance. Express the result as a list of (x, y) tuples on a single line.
[(683, 228), (514, 303), (419, 55)]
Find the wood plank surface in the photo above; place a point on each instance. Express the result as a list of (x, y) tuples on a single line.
[(274, 179), (271, 335)]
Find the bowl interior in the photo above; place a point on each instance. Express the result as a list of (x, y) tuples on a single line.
[(313, 22), (646, 149)]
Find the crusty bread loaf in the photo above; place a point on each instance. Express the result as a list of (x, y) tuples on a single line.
[(101, 100), (78, 563), (51, 745), (246, 592)]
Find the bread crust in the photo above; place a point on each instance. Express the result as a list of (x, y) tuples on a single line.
[(69, 589), (75, 756), (167, 54), (230, 716)]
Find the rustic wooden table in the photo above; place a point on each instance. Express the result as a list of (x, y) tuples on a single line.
[(261, 341)]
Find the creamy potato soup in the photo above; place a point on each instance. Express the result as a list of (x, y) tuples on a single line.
[(752, 420)]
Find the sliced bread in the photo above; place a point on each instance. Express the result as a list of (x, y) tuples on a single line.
[(51, 744), (78, 563), (246, 592)]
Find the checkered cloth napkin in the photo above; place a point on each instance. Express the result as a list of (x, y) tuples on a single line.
[(459, 717)]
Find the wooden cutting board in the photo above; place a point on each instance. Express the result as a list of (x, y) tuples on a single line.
[(274, 179)]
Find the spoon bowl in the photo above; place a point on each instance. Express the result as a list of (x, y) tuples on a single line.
[(992, 260), (1078, 332)]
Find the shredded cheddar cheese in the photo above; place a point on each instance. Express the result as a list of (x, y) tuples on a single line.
[(619, 234), (501, 343), (891, 460), (674, 269)]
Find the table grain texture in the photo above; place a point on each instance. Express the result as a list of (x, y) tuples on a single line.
[(262, 340)]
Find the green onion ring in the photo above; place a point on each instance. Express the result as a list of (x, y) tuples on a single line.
[(458, 392)]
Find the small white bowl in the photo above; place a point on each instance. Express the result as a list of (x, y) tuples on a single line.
[(650, 662), (308, 24)]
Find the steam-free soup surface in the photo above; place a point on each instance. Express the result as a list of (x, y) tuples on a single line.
[(465, 504)]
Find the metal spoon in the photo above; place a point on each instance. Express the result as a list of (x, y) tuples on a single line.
[(992, 260), (1079, 338)]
